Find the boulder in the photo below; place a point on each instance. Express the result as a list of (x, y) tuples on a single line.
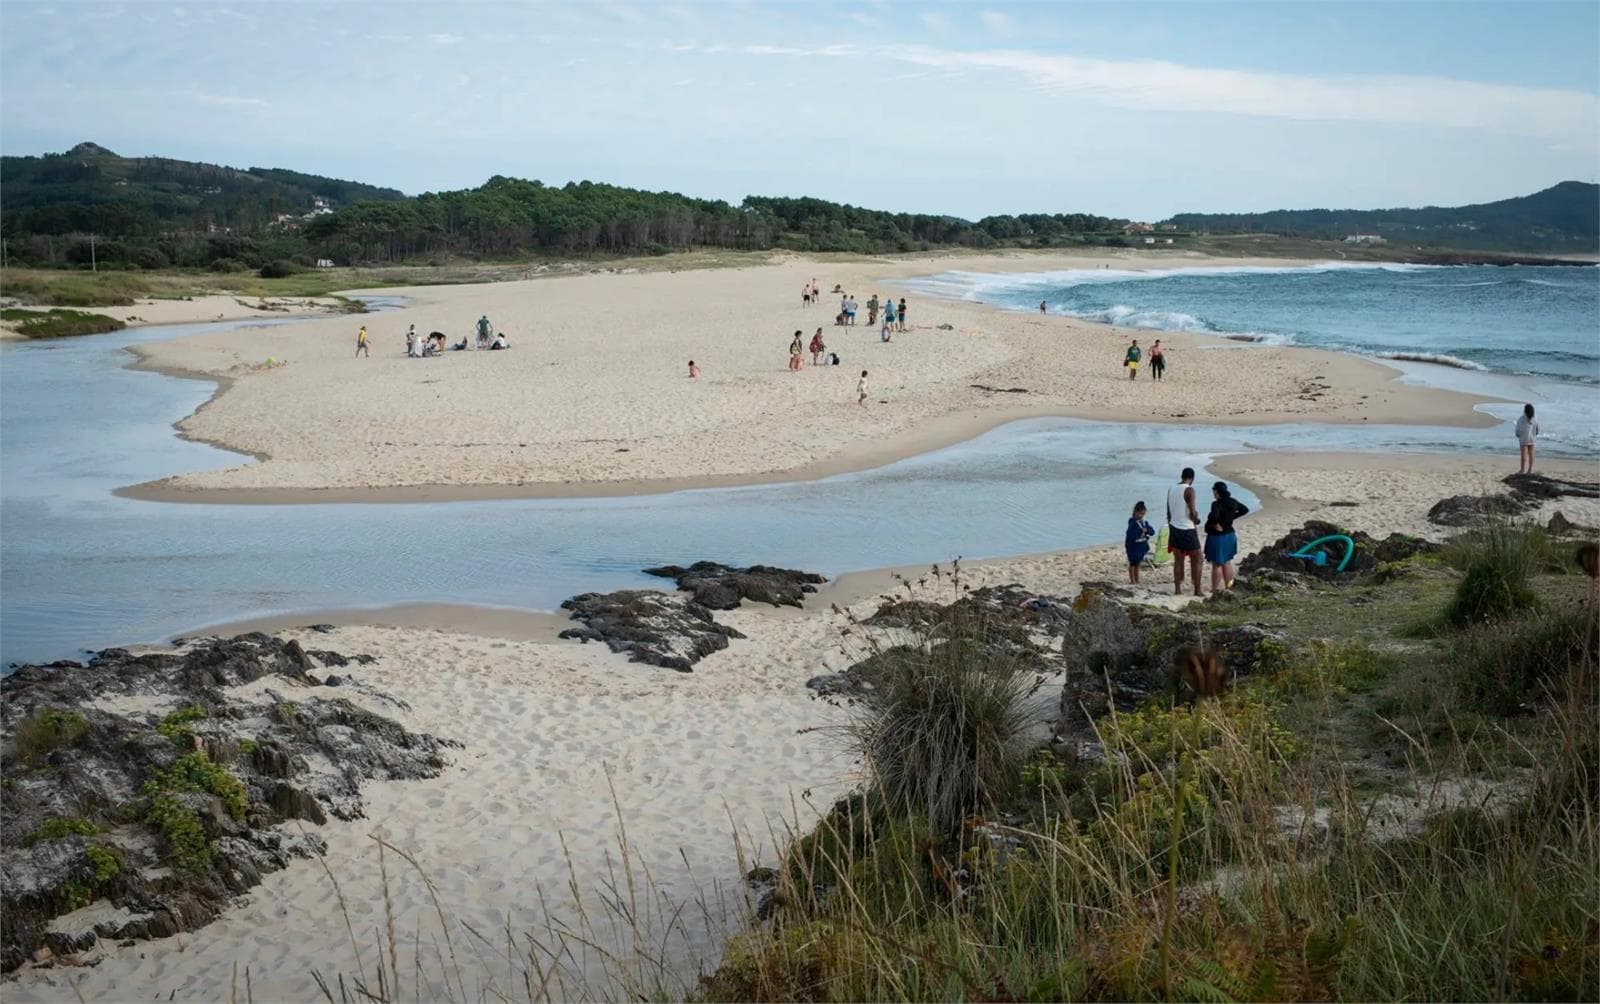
[(720, 587), (670, 630), (1470, 510), (1119, 651), (1370, 553)]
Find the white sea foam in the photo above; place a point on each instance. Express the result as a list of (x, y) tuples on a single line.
[(977, 285), (1437, 358)]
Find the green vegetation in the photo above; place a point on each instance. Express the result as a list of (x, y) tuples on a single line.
[(178, 725), (1354, 821), (1496, 563), (57, 827), (105, 864), (247, 747), (58, 323), (44, 732), (178, 824), (1563, 218)]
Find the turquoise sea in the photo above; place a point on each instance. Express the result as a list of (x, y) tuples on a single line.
[(1519, 332)]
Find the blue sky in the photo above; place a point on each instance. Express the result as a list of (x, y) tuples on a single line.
[(1122, 108)]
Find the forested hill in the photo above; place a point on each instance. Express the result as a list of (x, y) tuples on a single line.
[(90, 189), (1563, 218), (155, 212)]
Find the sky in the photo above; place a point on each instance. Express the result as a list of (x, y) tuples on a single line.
[(1125, 109)]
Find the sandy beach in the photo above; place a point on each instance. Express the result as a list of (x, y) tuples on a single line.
[(594, 397), (557, 737)]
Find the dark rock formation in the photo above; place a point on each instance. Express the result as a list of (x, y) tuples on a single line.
[(720, 587), (1369, 555), (1470, 510), (1119, 651), (1528, 491), (659, 629), (141, 780)]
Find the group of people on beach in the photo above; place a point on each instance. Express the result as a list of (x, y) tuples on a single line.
[(1183, 525), (419, 346), (894, 316), (1134, 355)]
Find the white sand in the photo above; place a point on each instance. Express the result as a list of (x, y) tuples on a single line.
[(692, 757), (594, 394)]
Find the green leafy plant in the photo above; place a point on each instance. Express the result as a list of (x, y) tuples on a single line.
[(178, 725)]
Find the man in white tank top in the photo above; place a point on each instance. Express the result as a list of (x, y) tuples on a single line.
[(1183, 530)]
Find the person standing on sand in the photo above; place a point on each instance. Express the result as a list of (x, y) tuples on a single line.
[(902, 313), (1158, 360), (411, 340), (484, 327), (805, 296), (861, 389), (888, 320), (817, 347), (1222, 543), (1131, 360), (1137, 541), (694, 371), (872, 310), (1041, 307), (361, 343), (795, 350), (1527, 430), (1183, 534)]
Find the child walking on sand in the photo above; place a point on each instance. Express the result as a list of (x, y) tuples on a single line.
[(694, 370), (1137, 541), (861, 389), (361, 343)]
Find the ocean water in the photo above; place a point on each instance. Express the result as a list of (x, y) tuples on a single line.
[(1523, 333)]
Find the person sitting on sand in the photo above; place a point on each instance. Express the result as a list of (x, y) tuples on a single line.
[(500, 341), (902, 313), (1222, 543), (817, 347), (460, 346), (796, 348), (1137, 541), (1131, 360), (484, 328), (1183, 530), (861, 389), (1527, 429), (361, 342), (1158, 360), (836, 287), (694, 371)]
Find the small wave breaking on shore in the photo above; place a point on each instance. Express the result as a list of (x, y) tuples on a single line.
[(1436, 358)]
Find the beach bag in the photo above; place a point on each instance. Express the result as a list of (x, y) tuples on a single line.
[(1162, 552)]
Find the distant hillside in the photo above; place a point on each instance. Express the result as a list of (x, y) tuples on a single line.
[(1564, 218), (90, 189)]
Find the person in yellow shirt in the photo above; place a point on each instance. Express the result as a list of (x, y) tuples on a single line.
[(361, 343)]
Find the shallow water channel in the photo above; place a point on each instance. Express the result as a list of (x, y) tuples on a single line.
[(81, 568)]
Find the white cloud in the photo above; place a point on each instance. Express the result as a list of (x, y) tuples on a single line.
[(997, 22), (445, 38), (225, 100)]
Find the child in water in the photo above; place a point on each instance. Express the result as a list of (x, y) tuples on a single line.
[(1137, 541)]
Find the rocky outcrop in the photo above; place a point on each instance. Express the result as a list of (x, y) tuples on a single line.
[(1528, 491), (148, 781), (721, 587), (1119, 651), (660, 629), (1370, 553)]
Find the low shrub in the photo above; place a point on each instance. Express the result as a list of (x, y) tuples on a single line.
[(1511, 666), (178, 725), (44, 732), (57, 827), (944, 729), (1496, 563), (59, 323), (280, 269)]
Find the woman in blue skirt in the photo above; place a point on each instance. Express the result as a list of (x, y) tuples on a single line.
[(1222, 544)]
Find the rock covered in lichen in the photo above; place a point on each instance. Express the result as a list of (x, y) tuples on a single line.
[(152, 782), (658, 629)]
